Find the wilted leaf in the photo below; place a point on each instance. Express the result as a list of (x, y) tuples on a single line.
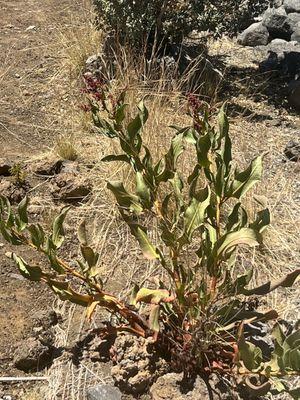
[(89, 255), (262, 220), (58, 234), (142, 190), (195, 213), (91, 309), (154, 318), (287, 281), (232, 239), (125, 199), (152, 296), (148, 249), (82, 236), (245, 180), (37, 235), (32, 273)]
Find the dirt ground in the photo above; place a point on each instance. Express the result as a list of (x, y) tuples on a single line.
[(31, 107)]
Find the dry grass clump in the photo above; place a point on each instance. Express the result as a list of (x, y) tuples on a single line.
[(66, 148)]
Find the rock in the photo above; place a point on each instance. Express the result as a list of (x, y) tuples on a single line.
[(276, 22), (296, 34), (70, 188), (294, 94), (292, 151), (45, 319), (14, 193), (278, 42), (255, 35), (70, 167), (48, 167), (169, 387), (32, 355), (293, 19), (5, 167), (103, 392), (137, 365), (292, 6)]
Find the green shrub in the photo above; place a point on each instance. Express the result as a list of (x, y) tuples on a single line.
[(136, 22), (198, 315)]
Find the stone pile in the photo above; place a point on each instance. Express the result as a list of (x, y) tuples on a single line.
[(281, 22)]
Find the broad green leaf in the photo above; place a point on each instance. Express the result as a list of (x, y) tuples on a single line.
[(232, 239), (58, 234), (237, 218), (203, 148), (166, 167), (105, 128), (142, 190), (250, 354), (295, 359), (152, 296), (32, 273), (8, 235), (148, 249), (195, 213), (223, 122), (262, 220), (65, 292), (120, 113), (138, 122), (154, 318), (125, 199), (37, 235), (89, 255), (278, 334), (22, 219), (245, 180)]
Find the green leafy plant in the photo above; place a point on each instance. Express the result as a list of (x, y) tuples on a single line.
[(138, 22), (199, 316)]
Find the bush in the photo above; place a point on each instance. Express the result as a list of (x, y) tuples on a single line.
[(200, 316), (137, 22)]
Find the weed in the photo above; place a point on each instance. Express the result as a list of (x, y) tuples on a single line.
[(200, 315)]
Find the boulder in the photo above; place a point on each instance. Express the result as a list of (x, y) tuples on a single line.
[(292, 6), (255, 35), (296, 34), (276, 22), (104, 392), (70, 187), (293, 19), (32, 355)]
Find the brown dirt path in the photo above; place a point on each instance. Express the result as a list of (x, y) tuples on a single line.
[(30, 63), (32, 98)]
